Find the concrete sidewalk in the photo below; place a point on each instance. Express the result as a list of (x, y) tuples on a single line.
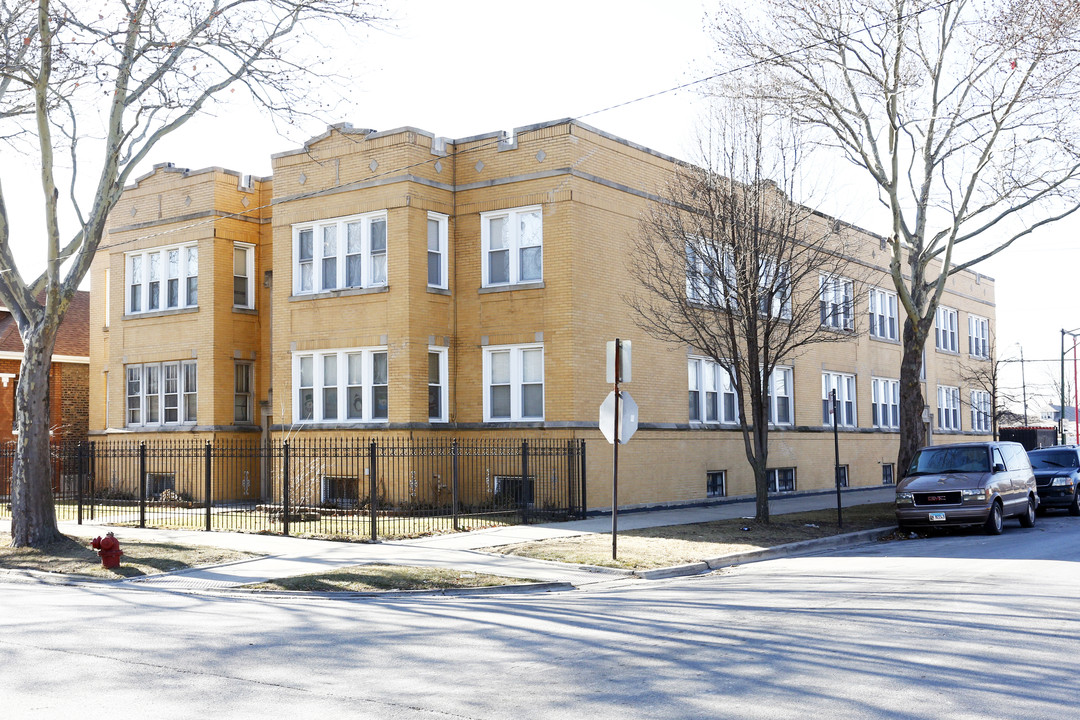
[(289, 556)]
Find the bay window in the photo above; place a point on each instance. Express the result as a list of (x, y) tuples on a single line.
[(162, 279), (340, 385), (154, 391), (346, 252)]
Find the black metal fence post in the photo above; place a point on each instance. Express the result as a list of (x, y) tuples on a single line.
[(142, 484), (584, 494), (209, 487), (92, 473), (454, 498), (80, 470), (525, 482), (373, 491), (285, 488)]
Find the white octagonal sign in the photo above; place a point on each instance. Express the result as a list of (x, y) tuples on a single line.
[(628, 421)]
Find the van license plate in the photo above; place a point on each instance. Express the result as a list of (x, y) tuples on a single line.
[(937, 517)]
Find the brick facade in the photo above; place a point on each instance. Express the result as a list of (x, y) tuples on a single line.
[(590, 189)]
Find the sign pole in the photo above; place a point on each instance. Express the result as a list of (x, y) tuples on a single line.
[(836, 451), (615, 457)]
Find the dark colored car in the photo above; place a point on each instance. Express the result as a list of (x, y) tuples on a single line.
[(967, 484), (1057, 473)]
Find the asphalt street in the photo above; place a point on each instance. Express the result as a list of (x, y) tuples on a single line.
[(960, 626)]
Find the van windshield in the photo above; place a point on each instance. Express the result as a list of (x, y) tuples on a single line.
[(950, 460)]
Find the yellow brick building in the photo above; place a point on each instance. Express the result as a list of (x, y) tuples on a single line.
[(402, 284)]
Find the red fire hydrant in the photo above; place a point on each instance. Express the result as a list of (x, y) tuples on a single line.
[(108, 548)]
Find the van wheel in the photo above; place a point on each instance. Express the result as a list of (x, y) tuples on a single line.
[(995, 521), (1027, 518), (1074, 507)]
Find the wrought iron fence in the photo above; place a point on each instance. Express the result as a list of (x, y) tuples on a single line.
[(368, 488)]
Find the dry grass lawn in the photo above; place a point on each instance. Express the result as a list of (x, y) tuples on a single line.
[(679, 544), (370, 578), (73, 556)]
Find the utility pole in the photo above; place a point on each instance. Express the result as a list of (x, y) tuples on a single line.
[(1023, 384)]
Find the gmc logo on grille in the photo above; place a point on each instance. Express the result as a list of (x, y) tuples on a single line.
[(935, 498)]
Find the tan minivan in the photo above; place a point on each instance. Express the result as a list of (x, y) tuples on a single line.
[(967, 484)]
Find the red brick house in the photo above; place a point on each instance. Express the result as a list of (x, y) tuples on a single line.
[(69, 378)]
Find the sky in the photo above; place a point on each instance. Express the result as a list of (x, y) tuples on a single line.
[(474, 66)]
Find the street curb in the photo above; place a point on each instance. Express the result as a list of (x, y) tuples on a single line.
[(803, 547)]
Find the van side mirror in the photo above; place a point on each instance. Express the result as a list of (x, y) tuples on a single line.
[(998, 467)]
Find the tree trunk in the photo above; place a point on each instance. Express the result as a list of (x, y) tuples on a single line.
[(33, 515), (912, 402), (760, 463)]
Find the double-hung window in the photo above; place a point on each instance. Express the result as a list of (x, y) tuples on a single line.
[(513, 383), (437, 242), (243, 275), (883, 317), (978, 337), (162, 279), (945, 330), (347, 252), (844, 387), (836, 301), (712, 394), (774, 289), (781, 479), (242, 392), (512, 242), (980, 411), (341, 386), (710, 273), (437, 386), (161, 393), (780, 401), (886, 403), (948, 408)]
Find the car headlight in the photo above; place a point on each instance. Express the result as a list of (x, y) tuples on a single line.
[(1067, 481), (974, 494), (905, 498)]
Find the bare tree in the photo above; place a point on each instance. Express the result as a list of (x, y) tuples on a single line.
[(984, 376), (961, 113), (730, 266), (97, 86)]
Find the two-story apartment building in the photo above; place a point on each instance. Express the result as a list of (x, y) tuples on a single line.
[(402, 284)]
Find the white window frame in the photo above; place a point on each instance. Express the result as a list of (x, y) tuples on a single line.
[(248, 395), (514, 244), (137, 414), (343, 382), (837, 302), (946, 332), (948, 408), (711, 377), (845, 387), (978, 337), (442, 387), (980, 411), (249, 274), (374, 270), (773, 475), (780, 301), (702, 282), (885, 403), (788, 374), (440, 255), (884, 318), (516, 382), (188, 270)]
